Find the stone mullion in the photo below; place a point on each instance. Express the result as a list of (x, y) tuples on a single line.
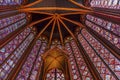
[(76, 61), (35, 61), (21, 62), (89, 63), (101, 58), (114, 50)]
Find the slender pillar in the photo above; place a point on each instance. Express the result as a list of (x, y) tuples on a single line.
[(89, 63), (20, 63), (115, 51), (106, 16)]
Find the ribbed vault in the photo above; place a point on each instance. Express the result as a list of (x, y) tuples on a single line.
[(60, 21)]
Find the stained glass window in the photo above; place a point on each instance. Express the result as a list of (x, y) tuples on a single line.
[(13, 59), (101, 67), (80, 62), (9, 20), (105, 24), (55, 74), (73, 66), (115, 40), (26, 68), (106, 55), (4, 32), (111, 4), (56, 43), (7, 26), (38, 63), (12, 45), (10, 2), (35, 56)]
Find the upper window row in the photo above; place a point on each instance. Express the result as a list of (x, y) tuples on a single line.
[(112, 4), (10, 2)]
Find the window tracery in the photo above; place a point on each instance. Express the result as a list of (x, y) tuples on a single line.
[(8, 25), (105, 54), (110, 4), (11, 2), (115, 40), (96, 57), (12, 61)]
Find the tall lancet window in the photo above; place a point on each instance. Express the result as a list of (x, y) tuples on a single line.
[(55, 74), (85, 73), (32, 66), (11, 2), (106, 64), (73, 66), (110, 4), (12, 52), (9, 48), (107, 30), (107, 25), (35, 72), (10, 24)]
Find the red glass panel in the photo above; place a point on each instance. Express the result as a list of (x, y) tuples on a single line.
[(12, 45), (26, 68), (110, 4), (7, 30), (73, 67), (110, 60), (80, 62), (55, 74), (11, 62), (105, 24), (100, 66), (10, 2), (115, 40), (38, 64)]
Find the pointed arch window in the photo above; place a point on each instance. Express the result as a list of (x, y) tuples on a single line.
[(73, 67), (26, 68), (101, 59), (85, 73), (112, 62), (114, 39), (111, 27), (55, 74), (34, 57), (7, 26), (9, 20), (38, 63), (110, 4), (13, 59), (8, 49), (11, 2)]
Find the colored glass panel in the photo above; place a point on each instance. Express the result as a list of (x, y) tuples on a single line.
[(12, 45), (80, 62), (6, 31), (11, 62), (73, 66), (26, 68), (110, 4), (106, 55), (98, 63), (55, 74), (105, 24), (10, 2), (115, 40), (38, 63), (9, 20)]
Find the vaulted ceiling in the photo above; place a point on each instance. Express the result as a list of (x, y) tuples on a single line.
[(56, 19)]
